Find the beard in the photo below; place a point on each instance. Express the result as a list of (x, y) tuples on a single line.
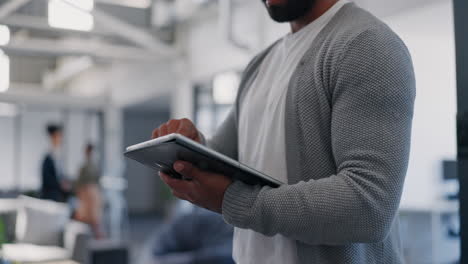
[(291, 11)]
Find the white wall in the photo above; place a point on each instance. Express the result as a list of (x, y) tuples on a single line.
[(208, 50), (126, 83), (81, 129), (429, 34), (133, 83)]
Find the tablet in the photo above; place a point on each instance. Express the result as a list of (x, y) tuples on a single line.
[(161, 153)]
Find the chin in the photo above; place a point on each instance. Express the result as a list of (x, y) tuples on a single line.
[(276, 2), (287, 11), (277, 14)]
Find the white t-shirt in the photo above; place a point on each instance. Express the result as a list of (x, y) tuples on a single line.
[(262, 135)]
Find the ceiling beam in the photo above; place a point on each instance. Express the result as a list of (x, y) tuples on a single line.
[(67, 68), (111, 26), (40, 23), (128, 3), (33, 94), (11, 6), (96, 49), (129, 32)]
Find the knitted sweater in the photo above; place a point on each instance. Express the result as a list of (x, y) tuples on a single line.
[(349, 110)]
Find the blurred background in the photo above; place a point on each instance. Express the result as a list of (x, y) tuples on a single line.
[(105, 73)]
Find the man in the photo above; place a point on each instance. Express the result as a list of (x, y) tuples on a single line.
[(54, 184), (328, 110)]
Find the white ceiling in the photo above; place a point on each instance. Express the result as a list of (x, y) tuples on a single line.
[(26, 69)]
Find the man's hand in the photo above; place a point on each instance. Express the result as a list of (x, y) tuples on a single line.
[(184, 127), (204, 189)]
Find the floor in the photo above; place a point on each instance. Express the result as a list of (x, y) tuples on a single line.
[(143, 229), (415, 234)]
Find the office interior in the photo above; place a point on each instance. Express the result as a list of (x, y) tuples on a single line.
[(111, 71)]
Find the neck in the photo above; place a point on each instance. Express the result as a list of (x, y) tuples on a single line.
[(317, 10)]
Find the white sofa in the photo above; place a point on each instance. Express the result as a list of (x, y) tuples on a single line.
[(43, 232)]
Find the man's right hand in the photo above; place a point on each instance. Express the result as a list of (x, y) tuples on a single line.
[(183, 126)]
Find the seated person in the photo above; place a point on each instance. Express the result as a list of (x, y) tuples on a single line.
[(195, 237)]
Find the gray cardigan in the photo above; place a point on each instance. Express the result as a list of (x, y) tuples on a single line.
[(349, 110)]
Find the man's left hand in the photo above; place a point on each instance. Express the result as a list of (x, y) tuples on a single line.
[(204, 189)]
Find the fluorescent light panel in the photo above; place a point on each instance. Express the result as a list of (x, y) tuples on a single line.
[(64, 15), (130, 3), (225, 87), (4, 35), (4, 72)]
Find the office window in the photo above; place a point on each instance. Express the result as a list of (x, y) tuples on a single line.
[(214, 99)]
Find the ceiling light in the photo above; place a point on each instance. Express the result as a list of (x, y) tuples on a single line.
[(74, 16), (225, 87), (4, 72), (4, 35)]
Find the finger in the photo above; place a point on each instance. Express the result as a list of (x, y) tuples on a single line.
[(191, 129), (187, 170), (175, 184), (166, 178), (162, 174), (172, 125), (155, 133), (163, 130), (180, 196), (183, 196), (188, 131)]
